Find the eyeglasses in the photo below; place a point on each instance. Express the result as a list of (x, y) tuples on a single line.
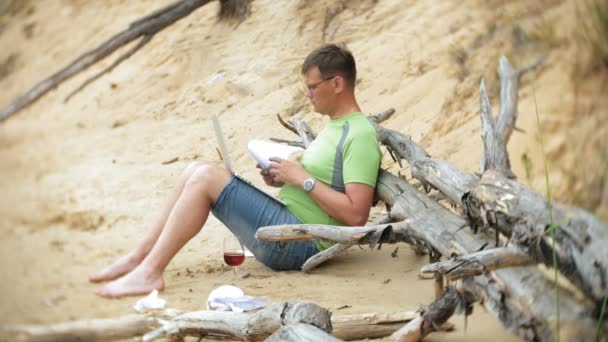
[(311, 87)]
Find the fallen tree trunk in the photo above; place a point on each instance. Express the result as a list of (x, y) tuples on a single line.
[(527, 218), (89, 330), (144, 28), (213, 324), (521, 298)]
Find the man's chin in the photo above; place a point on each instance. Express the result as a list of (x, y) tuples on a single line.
[(318, 110)]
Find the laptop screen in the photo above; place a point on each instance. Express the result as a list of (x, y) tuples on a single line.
[(219, 136)]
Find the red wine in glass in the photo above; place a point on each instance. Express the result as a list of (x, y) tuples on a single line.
[(234, 259), (234, 253)]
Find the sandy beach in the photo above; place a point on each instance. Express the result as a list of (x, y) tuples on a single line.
[(80, 181)]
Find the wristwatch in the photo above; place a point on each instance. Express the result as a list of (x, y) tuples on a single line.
[(309, 184)]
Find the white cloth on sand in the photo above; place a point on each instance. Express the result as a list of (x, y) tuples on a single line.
[(232, 298), (151, 302)]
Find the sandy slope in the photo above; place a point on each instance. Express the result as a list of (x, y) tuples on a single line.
[(80, 180)]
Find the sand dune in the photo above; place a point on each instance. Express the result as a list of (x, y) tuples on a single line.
[(80, 180)]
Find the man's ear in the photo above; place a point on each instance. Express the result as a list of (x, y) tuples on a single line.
[(340, 85)]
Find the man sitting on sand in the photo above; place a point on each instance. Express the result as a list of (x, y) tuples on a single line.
[(333, 184)]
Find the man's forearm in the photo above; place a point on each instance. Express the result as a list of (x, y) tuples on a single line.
[(339, 206)]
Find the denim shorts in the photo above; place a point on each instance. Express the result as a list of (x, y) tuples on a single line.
[(244, 209)]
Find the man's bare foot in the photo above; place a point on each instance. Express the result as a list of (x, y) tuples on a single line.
[(135, 283), (120, 267)]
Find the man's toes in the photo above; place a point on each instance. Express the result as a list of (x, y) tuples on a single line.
[(95, 278), (103, 291)]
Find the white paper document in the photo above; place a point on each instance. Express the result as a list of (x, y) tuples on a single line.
[(262, 151)]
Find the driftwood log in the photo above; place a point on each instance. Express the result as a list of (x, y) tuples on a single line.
[(89, 330), (212, 324), (334, 250), (521, 297), (143, 29), (243, 326), (478, 263), (526, 218)]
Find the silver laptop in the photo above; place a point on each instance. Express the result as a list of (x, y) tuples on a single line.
[(219, 136)]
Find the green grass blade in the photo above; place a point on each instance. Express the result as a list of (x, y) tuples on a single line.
[(552, 226), (601, 319)]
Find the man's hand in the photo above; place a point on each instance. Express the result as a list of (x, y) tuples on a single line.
[(286, 171), (268, 178)]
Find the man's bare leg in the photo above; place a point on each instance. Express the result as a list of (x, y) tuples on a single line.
[(186, 219), (128, 262)]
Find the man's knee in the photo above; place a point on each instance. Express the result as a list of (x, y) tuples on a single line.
[(200, 172), (209, 177), (189, 170)]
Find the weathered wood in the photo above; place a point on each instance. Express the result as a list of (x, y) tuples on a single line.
[(509, 87), (439, 285), (213, 324), (145, 39), (445, 177), (234, 9), (288, 142), (243, 326), (369, 325), (447, 234), (521, 288), (87, 330), (323, 256), (431, 318), (144, 28), (478, 263), (288, 125), (336, 249), (495, 149), (403, 146), (306, 136), (307, 232), (440, 174), (298, 332), (384, 233), (382, 116), (529, 310), (438, 277), (525, 217)]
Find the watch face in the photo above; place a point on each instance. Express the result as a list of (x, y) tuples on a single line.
[(309, 184)]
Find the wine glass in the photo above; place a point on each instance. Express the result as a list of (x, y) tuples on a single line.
[(234, 253)]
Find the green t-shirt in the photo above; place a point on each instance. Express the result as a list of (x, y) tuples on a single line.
[(346, 151)]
